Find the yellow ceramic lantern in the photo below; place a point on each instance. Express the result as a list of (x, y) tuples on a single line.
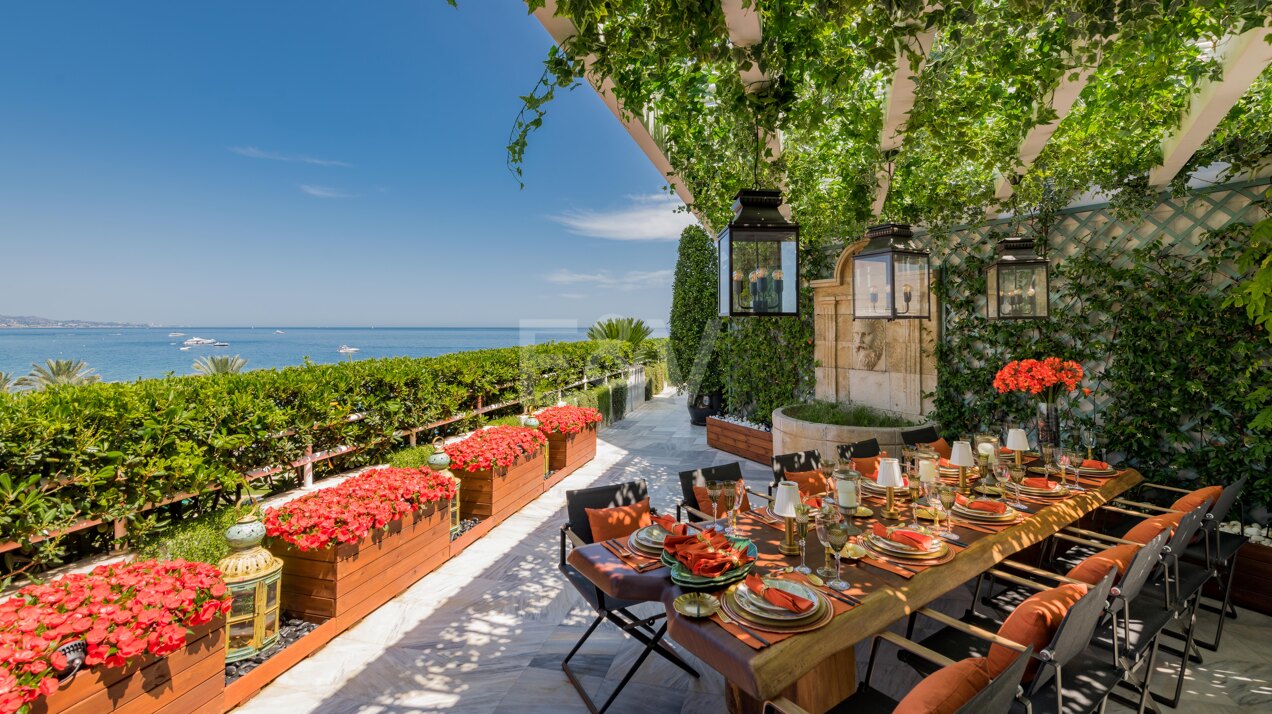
[(439, 461), (253, 575)]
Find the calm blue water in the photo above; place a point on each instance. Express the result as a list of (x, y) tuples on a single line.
[(126, 354)]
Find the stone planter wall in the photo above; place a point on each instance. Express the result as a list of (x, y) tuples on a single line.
[(1252, 584), (791, 435), (567, 452), (349, 580), (189, 680), (753, 444), (500, 492)]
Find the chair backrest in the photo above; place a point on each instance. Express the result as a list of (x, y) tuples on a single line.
[(700, 477), (799, 461), (1184, 532), (922, 435), (1001, 690), (1139, 569), (859, 449), (1223, 504), (1075, 630), (617, 494)]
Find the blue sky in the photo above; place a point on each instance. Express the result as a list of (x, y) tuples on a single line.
[(312, 163)]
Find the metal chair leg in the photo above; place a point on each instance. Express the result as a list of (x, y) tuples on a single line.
[(626, 677), (1173, 702), (1223, 609)]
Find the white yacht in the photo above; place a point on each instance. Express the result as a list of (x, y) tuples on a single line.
[(347, 350), (199, 341), (183, 349), (176, 334), (279, 332), (220, 344)]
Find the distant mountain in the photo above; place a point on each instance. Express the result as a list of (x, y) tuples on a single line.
[(33, 321)]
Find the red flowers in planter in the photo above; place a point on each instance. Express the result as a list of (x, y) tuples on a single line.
[(567, 419), (122, 611), (496, 446), (348, 512), (1038, 376)]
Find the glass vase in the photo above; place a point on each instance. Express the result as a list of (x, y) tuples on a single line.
[(1048, 424)]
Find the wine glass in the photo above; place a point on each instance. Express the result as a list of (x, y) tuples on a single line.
[(801, 523), (823, 535), (828, 466), (1017, 476), (728, 496), (948, 496), (713, 492), (915, 487), (1064, 459), (1089, 441), (838, 536)]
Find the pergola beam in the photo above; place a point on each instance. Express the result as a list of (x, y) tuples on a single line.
[(897, 107), (1063, 97), (1243, 57), (562, 29), (745, 31)]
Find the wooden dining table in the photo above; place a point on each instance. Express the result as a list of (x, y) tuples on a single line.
[(817, 669)]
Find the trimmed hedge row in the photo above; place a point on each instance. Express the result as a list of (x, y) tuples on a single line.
[(107, 451)]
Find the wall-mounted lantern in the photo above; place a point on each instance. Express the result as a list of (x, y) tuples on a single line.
[(892, 277), (759, 258), (1017, 282)]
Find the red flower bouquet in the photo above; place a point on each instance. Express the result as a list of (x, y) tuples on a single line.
[(1046, 378), (121, 611), (348, 512), (496, 446), (567, 419)]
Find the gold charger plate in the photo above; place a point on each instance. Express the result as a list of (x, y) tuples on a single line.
[(942, 559), (972, 514), (878, 544), (827, 614)]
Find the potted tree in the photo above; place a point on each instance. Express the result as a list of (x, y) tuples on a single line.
[(693, 363)]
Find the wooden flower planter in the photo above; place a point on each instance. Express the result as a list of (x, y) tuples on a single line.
[(753, 444), (497, 493), (567, 452), (1252, 583), (349, 580), (191, 679)]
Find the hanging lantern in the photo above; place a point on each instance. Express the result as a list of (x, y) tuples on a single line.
[(1018, 282), (253, 576), (439, 462), (759, 258), (892, 277)]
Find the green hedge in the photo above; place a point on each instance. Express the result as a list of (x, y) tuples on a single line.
[(655, 379), (106, 451)]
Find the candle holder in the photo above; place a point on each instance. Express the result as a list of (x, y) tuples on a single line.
[(890, 511), (790, 539)]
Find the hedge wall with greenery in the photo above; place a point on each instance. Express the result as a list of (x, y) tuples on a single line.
[(106, 451)]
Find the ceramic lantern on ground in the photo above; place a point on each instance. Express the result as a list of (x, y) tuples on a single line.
[(439, 462), (759, 258), (253, 575)]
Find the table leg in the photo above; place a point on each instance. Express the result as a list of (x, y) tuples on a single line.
[(833, 680)]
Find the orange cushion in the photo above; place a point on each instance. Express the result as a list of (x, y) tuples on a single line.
[(1092, 570), (1187, 503), (810, 482), (1033, 622), (868, 467), (946, 689), (941, 447), (704, 501), (619, 521), (1150, 527)]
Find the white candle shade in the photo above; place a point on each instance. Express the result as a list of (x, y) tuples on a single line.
[(1017, 440), (846, 491), (961, 454), (890, 473), (986, 448), (786, 499), (927, 471)]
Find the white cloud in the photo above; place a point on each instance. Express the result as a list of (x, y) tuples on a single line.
[(652, 217), (324, 191), (253, 152), (631, 280)]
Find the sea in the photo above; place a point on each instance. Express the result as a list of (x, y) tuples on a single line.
[(125, 354)]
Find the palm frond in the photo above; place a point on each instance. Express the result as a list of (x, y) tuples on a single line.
[(627, 329), (219, 364), (57, 372)]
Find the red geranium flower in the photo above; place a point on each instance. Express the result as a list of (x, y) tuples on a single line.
[(567, 419), (496, 446)]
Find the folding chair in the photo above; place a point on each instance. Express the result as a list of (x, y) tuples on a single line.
[(687, 506), (859, 450), (578, 531), (799, 461), (922, 435)]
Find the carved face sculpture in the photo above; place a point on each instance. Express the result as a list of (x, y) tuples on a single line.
[(870, 341)]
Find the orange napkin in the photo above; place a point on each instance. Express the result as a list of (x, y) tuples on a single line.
[(778, 597), (705, 554), (945, 463), (1094, 464), (669, 524), (813, 502), (980, 504), (1041, 484), (904, 537)]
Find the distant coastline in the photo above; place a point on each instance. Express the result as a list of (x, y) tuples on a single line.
[(35, 322)]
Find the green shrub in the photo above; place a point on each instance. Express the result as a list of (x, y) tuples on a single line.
[(413, 457), (820, 412), (201, 538), (693, 310), (655, 379)]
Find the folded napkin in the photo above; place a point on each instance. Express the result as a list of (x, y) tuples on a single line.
[(945, 463), (705, 554), (813, 502), (913, 539), (977, 504), (777, 596), (1040, 483), (669, 524), (1094, 464)]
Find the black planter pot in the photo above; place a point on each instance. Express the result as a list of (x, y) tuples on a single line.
[(702, 406)]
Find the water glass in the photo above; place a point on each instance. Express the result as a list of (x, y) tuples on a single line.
[(838, 536), (823, 535), (948, 496), (801, 523)]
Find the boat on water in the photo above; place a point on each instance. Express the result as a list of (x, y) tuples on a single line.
[(199, 341), (220, 344), (176, 334), (183, 349), (279, 332), (347, 350)]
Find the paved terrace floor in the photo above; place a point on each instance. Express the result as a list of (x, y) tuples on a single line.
[(486, 632)]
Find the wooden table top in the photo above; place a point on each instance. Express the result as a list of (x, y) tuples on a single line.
[(885, 597)]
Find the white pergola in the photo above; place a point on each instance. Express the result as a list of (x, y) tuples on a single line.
[(1243, 58)]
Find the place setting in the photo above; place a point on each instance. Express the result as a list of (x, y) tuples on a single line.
[(905, 549), (707, 559)]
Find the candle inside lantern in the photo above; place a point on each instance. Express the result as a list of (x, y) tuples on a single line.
[(927, 471), (846, 492)]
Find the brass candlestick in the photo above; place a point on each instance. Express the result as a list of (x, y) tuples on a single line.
[(891, 511), (790, 540), (963, 488), (1020, 457)]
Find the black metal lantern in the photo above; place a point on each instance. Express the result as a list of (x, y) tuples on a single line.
[(1017, 282), (892, 277), (759, 258)]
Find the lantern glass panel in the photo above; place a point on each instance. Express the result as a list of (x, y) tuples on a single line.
[(913, 283), (241, 634), (244, 600), (872, 286), (726, 293), (760, 268), (271, 623), (1019, 290), (271, 592)]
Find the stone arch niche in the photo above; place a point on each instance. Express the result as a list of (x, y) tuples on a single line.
[(887, 365)]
